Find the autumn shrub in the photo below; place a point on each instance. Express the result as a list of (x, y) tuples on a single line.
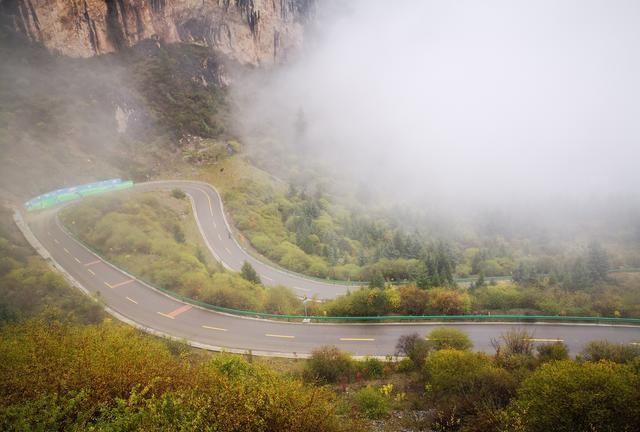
[(371, 367), (567, 396), (604, 350), (466, 380), (449, 338), (413, 300), (445, 301), (329, 365), (415, 347), (552, 351), (372, 403), (178, 194), (112, 377)]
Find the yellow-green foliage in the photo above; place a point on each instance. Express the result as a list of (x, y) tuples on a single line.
[(567, 396), (403, 300), (449, 338), (372, 403), (114, 378), (465, 379), (309, 233), (145, 234)]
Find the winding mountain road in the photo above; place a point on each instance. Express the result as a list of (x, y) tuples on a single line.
[(140, 305)]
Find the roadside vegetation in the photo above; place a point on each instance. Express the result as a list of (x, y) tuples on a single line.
[(153, 235), (63, 365), (64, 376), (442, 385), (108, 377)]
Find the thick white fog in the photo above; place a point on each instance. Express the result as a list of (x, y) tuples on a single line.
[(467, 99)]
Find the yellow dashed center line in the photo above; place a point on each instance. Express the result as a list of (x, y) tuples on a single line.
[(279, 336), (227, 249), (66, 250), (214, 328), (77, 260), (358, 339), (166, 316), (92, 272), (92, 263), (56, 241), (131, 300)]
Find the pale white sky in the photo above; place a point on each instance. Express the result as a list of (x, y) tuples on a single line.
[(479, 99)]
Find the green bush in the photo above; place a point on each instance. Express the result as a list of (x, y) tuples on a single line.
[(499, 297), (449, 338), (178, 194), (231, 291), (329, 365), (616, 352), (281, 300), (552, 352), (371, 403), (466, 380), (363, 302), (371, 368), (566, 396), (443, 301), (249, 273)]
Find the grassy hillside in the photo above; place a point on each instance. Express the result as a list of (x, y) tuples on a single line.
[(108, 377), (154, 236)]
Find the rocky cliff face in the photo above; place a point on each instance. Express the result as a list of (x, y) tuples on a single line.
[(256, 32)]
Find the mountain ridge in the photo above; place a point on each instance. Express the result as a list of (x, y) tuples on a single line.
[(251, 32)]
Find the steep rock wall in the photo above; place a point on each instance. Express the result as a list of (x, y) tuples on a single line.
[(257, 32)]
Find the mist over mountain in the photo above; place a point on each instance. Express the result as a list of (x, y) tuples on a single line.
[(499, 103)]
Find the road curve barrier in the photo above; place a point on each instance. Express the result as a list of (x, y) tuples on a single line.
[(59, 196), (405, 318), (371, 319)]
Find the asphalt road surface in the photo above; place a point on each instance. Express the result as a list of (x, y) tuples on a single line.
[(140, 305)]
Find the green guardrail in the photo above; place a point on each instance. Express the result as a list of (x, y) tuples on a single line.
[(396, 318), (385, 318)]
